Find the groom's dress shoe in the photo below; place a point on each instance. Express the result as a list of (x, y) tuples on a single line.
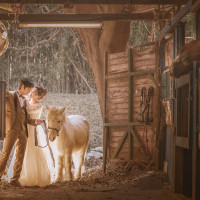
[(15, 183)]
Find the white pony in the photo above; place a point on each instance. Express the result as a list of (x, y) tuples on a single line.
[(72, 137)]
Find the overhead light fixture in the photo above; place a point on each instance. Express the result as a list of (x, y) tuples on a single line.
[(67, 24)]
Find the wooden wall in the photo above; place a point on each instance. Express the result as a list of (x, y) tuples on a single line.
[(126, 74)]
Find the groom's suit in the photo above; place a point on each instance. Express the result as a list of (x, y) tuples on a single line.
[(16, 131)]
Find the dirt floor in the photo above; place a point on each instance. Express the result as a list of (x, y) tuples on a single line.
[(123, 180)]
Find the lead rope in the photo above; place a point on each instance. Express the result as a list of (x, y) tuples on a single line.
[(47, 140)]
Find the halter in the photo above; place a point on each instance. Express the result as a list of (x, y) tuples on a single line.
[(54, 129)]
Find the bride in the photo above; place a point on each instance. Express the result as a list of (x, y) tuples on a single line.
[(37, 169)]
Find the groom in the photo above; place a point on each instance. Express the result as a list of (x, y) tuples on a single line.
[(16, 128)]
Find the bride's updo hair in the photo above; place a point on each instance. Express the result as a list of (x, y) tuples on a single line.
[(42, 92)]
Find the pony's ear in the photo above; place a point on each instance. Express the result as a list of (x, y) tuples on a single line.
[(62, 110), (48, 108)]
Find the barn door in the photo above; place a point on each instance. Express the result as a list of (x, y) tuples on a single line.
[(183, 137), (130, 78), (183, 111), (2, 109)]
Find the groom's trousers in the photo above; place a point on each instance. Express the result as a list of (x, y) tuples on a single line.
[(16, 134)]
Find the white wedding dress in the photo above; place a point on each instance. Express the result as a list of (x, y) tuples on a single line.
[(38, 168)]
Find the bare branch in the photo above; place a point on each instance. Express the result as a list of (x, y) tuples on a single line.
[(46, 41), (78, 44), (146, 28), (80, 74), (55, 9)]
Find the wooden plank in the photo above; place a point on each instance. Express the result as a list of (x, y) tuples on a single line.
[(135, 136), (117, 55), (174, 21), (117, 100), (64, 18), (118, 60), (117, 118), (130, 144), (115, 135), (88, 2), (118, 129), (149, 57), (139, 82), (119, 106), (149, 50), (115, 145), (117, 112), (136, 73), (114, 95), (118, 69), (116, 90), (125, 124), (144, 68), (121, 143), (144, 62)]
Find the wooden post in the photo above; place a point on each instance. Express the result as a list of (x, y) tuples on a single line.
[(196, 119), (130, 102), (177, 172), (2, 110), (105, 133), (157, 106)]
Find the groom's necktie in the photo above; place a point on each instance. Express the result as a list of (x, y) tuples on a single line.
[(22, 100)]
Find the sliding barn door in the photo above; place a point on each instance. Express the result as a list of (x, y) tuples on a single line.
[(130, 77)]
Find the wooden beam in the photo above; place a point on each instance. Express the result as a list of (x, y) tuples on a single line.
[(121, 143), (82, 2), (136, 73), (196, 6), (126, 124), (62, 18), (196, 118), (174, 21), (105, 133)]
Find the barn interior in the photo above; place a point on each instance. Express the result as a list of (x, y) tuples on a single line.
[(148, 93)]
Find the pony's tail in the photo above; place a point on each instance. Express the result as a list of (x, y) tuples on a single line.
[(88, 136)]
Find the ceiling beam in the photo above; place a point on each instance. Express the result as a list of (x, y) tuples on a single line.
[(74, 2), (62, 18)]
